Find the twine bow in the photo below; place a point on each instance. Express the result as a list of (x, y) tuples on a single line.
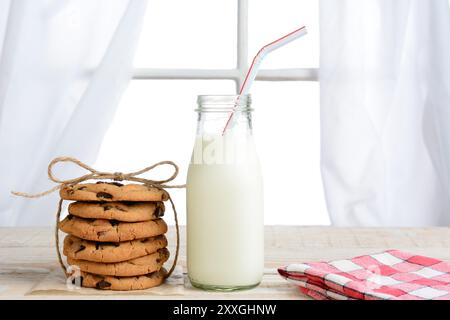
[(99, 175)]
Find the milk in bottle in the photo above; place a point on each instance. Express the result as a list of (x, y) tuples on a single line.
[(225, 222)]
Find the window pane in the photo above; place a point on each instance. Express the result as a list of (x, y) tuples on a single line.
[(287, 134), (269, 20), (188, 34), (156, 121)]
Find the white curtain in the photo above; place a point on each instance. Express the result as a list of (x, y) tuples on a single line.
[(385, 111), (63, 67)]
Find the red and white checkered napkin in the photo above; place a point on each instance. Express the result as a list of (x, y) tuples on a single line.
[(392, 274)]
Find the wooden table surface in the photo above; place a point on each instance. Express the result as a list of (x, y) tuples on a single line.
[(27, 255)]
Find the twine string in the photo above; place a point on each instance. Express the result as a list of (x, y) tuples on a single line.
[(116, 176)]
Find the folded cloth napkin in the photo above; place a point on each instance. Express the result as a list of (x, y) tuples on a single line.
[(391, 275)]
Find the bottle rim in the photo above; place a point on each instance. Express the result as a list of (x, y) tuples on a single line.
[(223, 103)]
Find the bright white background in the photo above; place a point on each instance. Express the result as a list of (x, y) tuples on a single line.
[(156, 120)]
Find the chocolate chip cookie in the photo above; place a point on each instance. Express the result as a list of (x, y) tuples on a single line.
[(121, 211), (135, 267), (112, 191), (107, 252), (147, 281), (111, 230)]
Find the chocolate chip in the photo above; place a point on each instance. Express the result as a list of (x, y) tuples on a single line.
[(158, 260), (109, 207), (159, 212), (103, 284), (100, 233), (114, 222), (81, 248), (111, 183), (69, 217), (104, 195), (106, 244), (110, 244), (81, 188)]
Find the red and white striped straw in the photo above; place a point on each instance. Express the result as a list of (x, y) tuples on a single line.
[(254, 67)]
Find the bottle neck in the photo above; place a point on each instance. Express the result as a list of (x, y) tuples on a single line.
[(213, 124), (213, 145), (214, 113)]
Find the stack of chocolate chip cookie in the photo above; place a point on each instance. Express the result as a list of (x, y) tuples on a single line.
[(116, 234)]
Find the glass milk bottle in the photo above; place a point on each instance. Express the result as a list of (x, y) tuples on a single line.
[(225, 220)]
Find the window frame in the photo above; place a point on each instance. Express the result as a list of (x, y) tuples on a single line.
[(236, 74)]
